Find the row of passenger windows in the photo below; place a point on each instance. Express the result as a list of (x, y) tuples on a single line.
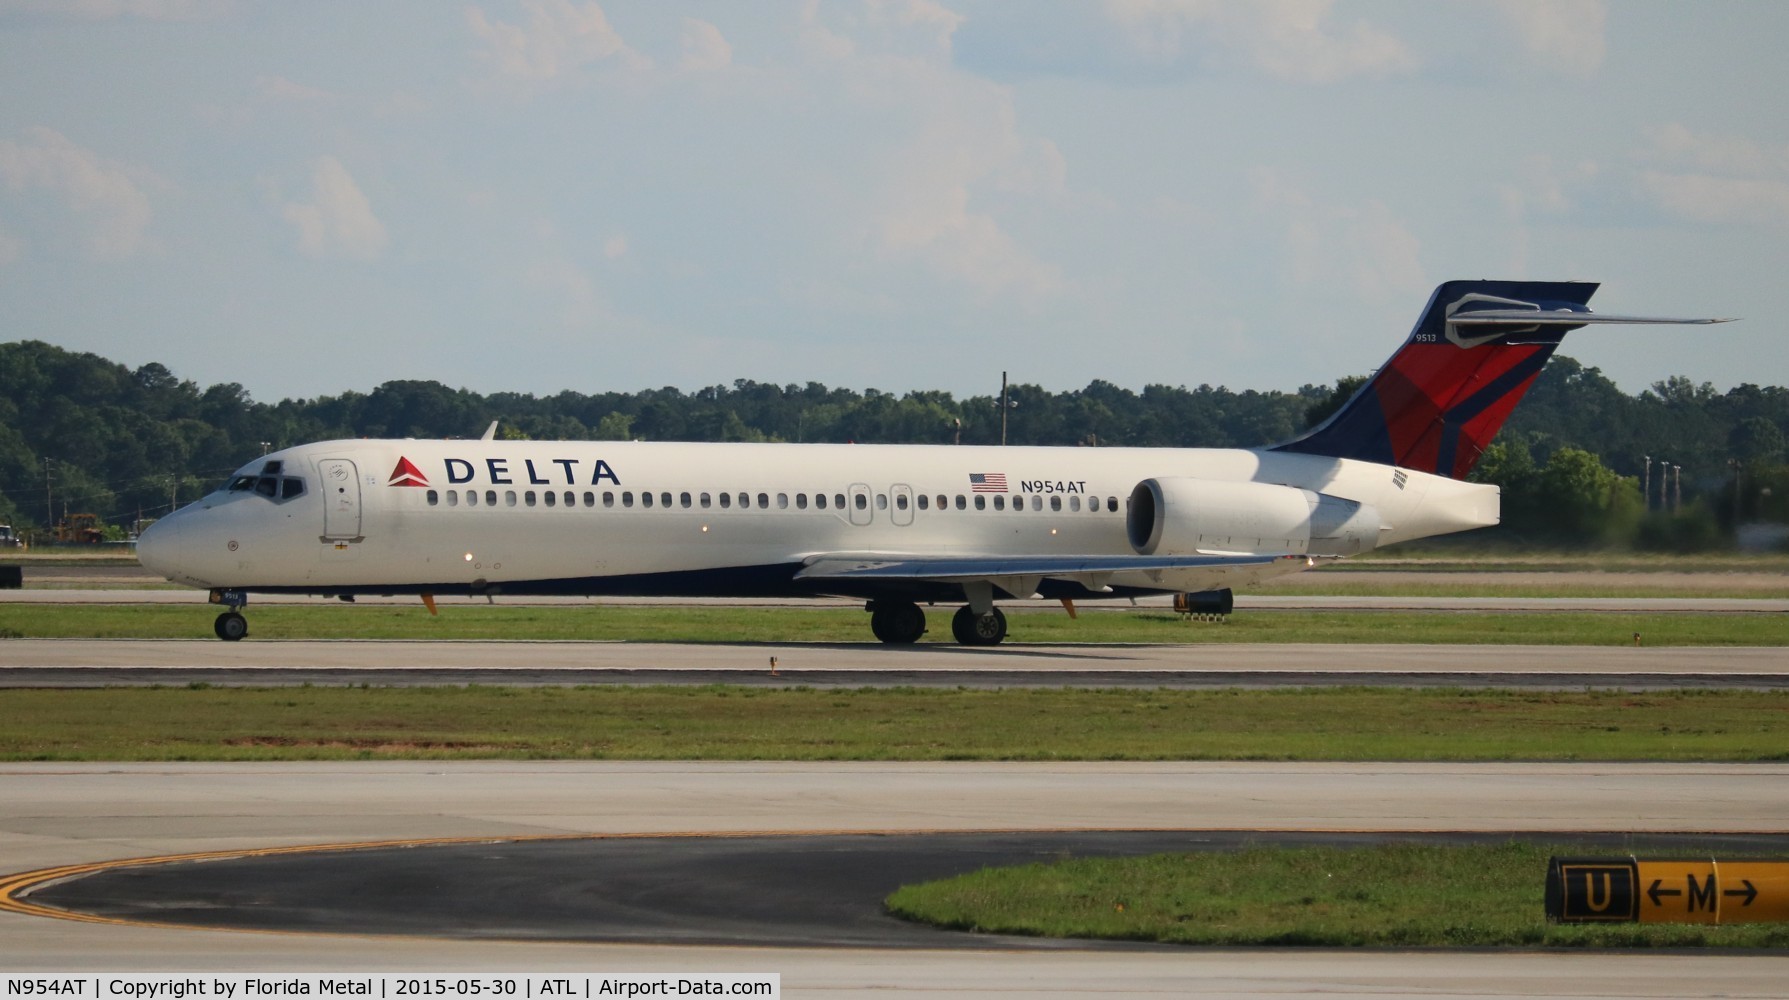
[(763, 501)]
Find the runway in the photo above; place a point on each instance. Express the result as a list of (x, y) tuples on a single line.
[(59, 814), (95, 662)]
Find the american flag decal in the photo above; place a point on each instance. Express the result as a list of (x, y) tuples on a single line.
[(987, 482)]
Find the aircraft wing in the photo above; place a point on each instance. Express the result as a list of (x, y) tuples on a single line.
[(1020, 575)]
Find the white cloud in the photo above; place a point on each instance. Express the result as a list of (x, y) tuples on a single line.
[(105, 10), (1287, 39), (615, 247), (908, 29), (705, 49), (1363, 250), (1719, 179), (1727, 200), (557, 41), (1567, 35), (114, 208), (338, 219)]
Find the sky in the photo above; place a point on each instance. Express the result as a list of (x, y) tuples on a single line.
[(541, 195)]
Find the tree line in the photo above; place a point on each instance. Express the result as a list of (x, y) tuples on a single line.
[(79, 433)]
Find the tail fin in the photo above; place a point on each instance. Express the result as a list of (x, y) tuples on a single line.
[(1436, 405)]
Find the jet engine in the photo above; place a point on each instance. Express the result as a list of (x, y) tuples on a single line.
[(1183, 516)]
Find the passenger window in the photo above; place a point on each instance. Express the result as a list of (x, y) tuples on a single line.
[(745, 500), (1112, 504), (981, 502), (664, 500), (838, 500), (961, 503), (608, 498), (453, 498), (509, 498), (627, 498), (290, 488), (763, 501), (1037, 502), (1000, 502), (801, 501), (819, 501), (923, 501), (1074, 504), (726, 500), (943, 502), (645, 499), (551, 498), (490, 498), (528, 498), (863, 502), (434, 498), (471, 498), (1055, 504), (782, 501), (683, 499), (706, 501), (881, 501), (589, 499), (571, 499)]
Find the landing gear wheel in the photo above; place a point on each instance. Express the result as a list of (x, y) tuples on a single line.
[(230, 626), (897, 623), (972, 629)]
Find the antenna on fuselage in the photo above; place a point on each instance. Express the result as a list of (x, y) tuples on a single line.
[(490, 432)]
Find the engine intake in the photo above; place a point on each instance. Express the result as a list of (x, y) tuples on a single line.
[(1183, 516)]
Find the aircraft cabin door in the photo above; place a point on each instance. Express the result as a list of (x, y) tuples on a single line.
[(860, 511), (900, 495), (341, 500)]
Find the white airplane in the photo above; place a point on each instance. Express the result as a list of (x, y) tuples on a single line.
[(895, 525)]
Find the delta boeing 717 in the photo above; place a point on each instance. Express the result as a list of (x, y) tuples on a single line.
[(897, 526)]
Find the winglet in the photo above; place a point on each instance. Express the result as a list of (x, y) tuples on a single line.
[(490, 432)]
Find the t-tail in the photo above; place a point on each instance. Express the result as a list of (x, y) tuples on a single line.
[(1436, 405)]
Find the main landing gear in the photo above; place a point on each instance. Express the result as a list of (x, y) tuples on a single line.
[(898, 623), (972, 629), (901, 623), (230, 626)]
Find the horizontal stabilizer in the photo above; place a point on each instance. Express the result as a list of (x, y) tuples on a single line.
[(1520, 317)]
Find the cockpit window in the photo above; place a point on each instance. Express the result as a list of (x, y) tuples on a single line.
[(274, 487)]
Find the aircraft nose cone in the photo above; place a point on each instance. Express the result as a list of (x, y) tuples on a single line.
[(158, 547)]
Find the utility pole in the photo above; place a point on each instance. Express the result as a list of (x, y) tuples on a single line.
[(1646, 484), (1676, 489), (49, 499), (1003, 409)]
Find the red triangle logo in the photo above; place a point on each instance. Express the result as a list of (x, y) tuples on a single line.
[(407, 474)]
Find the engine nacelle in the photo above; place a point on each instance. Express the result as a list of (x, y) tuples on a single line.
[(1179, 516)]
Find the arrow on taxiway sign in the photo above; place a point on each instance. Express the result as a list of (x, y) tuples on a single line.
[(1750, 892), (1655, 892)]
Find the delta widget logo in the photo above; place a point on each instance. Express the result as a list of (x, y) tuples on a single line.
[(407, 474)]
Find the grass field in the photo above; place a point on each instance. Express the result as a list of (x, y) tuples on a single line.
[(732, 723), (1389, 896), (832, 624)]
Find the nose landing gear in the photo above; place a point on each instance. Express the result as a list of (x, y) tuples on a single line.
[(230, 626)]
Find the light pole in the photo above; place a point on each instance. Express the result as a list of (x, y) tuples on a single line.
[(1646, 483)]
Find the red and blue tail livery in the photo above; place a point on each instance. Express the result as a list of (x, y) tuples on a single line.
[(1440, 400)]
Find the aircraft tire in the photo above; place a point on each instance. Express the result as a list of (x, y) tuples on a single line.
[(230, 626), (972, 629), (897, 623)]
